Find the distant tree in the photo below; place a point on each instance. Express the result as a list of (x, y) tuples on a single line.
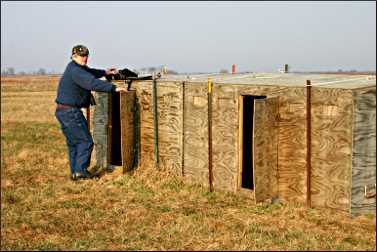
[(10, 71), (224, 71), (41, 71), (151, 69)]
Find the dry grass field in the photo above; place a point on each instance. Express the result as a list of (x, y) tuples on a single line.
[(42, 209)]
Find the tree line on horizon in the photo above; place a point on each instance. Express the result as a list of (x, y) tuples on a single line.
[(9, 71), (43, 71)]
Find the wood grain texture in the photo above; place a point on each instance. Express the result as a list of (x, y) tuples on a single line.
[(331, 148), (170, 109), (292, 146), (329, 80), (196, 133), (291, 167), (225, 128), (127, 106), (100, 127), (291, 138), (364, 151), (265, 149), (183, 137)]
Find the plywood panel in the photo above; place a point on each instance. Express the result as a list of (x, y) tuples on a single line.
[(331, 148), (127, 108), (226, 147), (196, 133), (170, 109), (291, 140), (364, 151), (225, 129), (292, 146), (265, 154), (100, 128)]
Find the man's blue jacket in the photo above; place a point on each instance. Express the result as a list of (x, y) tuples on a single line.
[(77, 82)]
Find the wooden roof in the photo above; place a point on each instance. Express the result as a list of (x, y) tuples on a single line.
[(343, 81)]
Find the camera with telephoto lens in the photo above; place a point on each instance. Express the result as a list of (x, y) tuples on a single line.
[(123, 74)]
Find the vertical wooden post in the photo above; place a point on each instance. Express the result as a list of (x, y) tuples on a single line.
[(240, 141), (183, 130), (210, 172), (308, 142), (155, 122)]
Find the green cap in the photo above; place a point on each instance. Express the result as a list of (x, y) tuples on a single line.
[(80, 50)]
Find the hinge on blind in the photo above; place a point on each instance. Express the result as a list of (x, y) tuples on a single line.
[(369, 194)]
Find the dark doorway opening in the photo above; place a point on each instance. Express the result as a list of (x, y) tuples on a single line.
[(114, 136), (247, 179)]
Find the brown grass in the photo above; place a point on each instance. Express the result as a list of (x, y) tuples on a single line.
[(41, 209)]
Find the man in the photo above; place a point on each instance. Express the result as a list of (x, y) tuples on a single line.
[(74, 93)]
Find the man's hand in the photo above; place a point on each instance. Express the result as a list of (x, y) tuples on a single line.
[(121, 90), (111, 71)]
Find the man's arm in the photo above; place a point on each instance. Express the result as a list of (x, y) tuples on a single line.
[(98, 73), (88, 81)]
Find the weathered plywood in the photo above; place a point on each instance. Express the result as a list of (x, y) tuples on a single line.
[(291, 166), (100, 123), (292, 146), (291, 175), (291, 138), (265, 150), (225, 128), (170, 109), (127, 107), (196, 133), (331, 148), (329, 80), (364, 151)]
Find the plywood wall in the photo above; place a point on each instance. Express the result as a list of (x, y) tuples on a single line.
[(265, 149), (225, 138), (170, 125), (292, 145), (100, 127), (183, 137), (128, 132), (364, 150), (196, 133), (291, 168), (332, 111)]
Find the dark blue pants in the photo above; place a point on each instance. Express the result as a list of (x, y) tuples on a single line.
[(78, 137)]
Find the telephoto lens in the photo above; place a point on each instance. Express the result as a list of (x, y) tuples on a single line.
[(123, 74)]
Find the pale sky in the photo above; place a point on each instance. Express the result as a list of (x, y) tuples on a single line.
[(191, 36)]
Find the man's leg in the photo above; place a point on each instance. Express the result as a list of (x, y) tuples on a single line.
[(83, 140), (72, 151), (65, 117)]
